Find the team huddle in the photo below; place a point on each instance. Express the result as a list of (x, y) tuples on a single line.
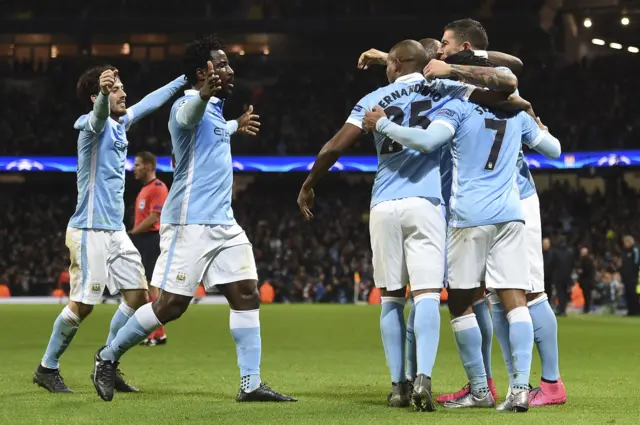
[(453, 203)]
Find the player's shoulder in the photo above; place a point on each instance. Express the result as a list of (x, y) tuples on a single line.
[(81, 122), (188, 94)]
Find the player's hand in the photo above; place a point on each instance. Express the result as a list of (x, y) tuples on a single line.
[(372, 57), (542, 126), (248, 122), (436, 69), (211, 85), (305, 202), (107, 80), (371, 118)]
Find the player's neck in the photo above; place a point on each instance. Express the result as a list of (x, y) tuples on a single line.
[(151, 177)]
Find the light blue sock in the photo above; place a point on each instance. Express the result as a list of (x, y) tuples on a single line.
[(469, 341), (394, 333), (545, 333), (245, 329), (64, 329), (137, 328), (501, 329), (412, 362), (483, 316), (521, 341), (428, 332), (120, 317)]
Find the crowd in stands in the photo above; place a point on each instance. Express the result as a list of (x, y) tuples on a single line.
[(316, 261), (302, 105)]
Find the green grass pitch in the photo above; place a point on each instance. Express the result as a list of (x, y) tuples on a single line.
[(330, 357)]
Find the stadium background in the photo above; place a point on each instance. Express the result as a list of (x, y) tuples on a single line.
[(295, 62)]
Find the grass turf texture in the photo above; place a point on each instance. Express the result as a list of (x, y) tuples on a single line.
[(330, 357)]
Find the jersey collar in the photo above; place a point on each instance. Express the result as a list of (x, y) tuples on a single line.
[(213, 99), (409, 78)]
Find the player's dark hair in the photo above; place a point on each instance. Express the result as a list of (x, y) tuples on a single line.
[(467, 57), (431, 46), (147, 158), (89, 83), (471, 31), (196, 55)]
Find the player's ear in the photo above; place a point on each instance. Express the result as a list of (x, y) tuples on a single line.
[(93, 98), (466, 46)]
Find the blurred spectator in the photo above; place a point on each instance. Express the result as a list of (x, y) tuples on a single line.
[(587, 278), (562, 269), (629, 273)]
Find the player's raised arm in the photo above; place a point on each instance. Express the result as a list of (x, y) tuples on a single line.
[(191, 112), (153, 101), (372, 57), (422, 140), (101, 109), (491, 78), (536, 135)]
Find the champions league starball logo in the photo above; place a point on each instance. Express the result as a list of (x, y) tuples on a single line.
[(24, 165), (613, 159), (336, 167)]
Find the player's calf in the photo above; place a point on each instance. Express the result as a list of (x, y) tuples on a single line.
[(65, 327), (244, 322)]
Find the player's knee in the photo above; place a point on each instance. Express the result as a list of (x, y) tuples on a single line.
[(245, 296), (169, 307), (79, 309), (136, 298)]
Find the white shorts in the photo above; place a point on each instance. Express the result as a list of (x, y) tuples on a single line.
[(102, 258), (408, 243), (198, 253), (533, 237), (495, 254)]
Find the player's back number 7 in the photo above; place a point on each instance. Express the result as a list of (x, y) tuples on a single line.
[(500, 126)]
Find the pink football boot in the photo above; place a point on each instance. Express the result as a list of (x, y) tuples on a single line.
[(548, 394)]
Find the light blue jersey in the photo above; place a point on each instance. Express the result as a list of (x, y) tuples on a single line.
[(484, 156), (411, 102), (102, 155), (526, 185), (203, 175), (101, 161)]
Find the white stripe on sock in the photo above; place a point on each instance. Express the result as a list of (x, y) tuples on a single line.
[(462, 323), (244, 319), (397, 300), (426, 296), (541, 298), (519, 314), (126, 310), (70, 317), (147, 318)]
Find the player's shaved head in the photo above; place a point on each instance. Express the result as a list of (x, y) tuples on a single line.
[(431, 46), (404, 58)]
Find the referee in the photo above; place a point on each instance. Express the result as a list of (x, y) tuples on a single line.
[(145, 234)]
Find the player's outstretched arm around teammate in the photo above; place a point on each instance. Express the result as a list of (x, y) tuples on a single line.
[(422, 140), (153, 101), (536, 135), (378, 57), (491, 78)]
